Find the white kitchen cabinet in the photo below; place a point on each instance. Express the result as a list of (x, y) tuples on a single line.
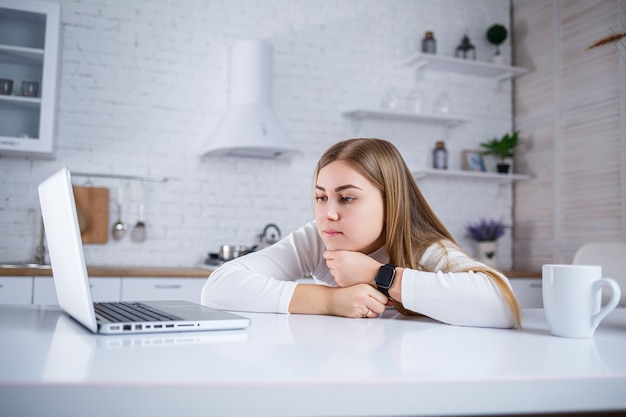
[(528, 291), (29, 51), (139, 289), (16, 290), (102, 289)]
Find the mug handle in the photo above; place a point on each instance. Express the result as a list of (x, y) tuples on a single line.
[(615, 298)]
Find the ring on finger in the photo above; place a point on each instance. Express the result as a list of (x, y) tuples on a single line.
[(367, 314)]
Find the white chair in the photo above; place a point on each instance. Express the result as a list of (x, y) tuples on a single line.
[(611, 256)]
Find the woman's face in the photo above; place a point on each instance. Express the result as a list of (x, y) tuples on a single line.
[(349, 209)]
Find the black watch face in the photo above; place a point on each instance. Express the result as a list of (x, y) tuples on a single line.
[(385, 276)]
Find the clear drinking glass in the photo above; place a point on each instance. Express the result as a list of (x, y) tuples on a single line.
[(443, 103), (413, 102), (390, 99)]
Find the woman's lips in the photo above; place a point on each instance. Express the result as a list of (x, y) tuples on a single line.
[(331, 233)]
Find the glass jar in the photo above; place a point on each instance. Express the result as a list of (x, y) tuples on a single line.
[(429, 44), (413, 102), (390, 99), (443, 103), (440, 156)]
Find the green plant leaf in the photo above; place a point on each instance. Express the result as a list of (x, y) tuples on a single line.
[(503, 147)]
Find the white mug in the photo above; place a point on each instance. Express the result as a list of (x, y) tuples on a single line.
[(572, 297)]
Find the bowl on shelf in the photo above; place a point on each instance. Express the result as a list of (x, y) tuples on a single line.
[(30, 88), (6, 86)]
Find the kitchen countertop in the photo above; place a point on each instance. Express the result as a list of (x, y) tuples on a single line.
[(119, 271), (183, 272), (522, 273), (306, 365)]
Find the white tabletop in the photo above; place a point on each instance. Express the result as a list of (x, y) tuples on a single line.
[(295, 365)]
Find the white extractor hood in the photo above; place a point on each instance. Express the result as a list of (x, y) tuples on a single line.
[(250, 128)]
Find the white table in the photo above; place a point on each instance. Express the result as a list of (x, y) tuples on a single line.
[(295, 365)]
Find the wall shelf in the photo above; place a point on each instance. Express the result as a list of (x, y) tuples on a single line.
[(121, 177), (33, 56), (463, 66), (490, 176), (32, 102), (405, 116)]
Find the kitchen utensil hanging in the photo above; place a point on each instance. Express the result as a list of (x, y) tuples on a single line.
[(118, 231), (138, 234)]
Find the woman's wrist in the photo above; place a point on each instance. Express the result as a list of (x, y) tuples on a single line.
[(395, 291), (311, 299), (374, 274)]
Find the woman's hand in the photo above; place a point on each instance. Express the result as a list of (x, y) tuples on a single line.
[(349, 268), (359, 300)]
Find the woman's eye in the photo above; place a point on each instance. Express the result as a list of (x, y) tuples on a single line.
[(348, 199), (320, 199)]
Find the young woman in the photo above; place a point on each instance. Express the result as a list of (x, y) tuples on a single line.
[(375, 241)]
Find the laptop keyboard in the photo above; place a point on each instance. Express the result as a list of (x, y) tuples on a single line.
[(132, 312)]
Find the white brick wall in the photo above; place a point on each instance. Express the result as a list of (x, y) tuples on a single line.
[(143, 82)]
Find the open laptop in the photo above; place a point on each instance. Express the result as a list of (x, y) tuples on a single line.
[(71, 281)]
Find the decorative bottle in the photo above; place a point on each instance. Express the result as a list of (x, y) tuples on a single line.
[(440, 156), (429, 44)]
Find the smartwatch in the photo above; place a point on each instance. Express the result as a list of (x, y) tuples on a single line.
[(384, 278)]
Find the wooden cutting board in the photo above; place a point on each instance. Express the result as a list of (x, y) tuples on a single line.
[(92, 206)]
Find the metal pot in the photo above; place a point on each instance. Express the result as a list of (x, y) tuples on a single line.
[(230, 252)]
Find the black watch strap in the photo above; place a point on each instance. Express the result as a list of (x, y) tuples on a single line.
[(384, 278)]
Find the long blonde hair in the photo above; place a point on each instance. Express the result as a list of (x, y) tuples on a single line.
[(411, 226)]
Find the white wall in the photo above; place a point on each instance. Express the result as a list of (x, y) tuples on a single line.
[(144, 82)]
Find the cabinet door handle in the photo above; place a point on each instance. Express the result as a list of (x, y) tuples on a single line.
[(535, 285), (167, 287), (1, 285)]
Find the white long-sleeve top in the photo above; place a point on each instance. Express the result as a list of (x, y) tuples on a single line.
[(264, 281)]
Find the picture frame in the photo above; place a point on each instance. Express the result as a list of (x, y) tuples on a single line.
[(473, 161)]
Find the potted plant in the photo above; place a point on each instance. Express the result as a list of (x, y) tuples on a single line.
[(496, 34), (486, 233), (502, 149)]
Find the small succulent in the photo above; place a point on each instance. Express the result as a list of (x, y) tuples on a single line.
[(502, 148), (486, 230)]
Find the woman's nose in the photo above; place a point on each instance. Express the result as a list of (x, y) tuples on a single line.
[(331, 211)]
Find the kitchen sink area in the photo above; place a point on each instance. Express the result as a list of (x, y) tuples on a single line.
[(20, 265)]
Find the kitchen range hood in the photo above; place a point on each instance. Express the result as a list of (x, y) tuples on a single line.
[(250, 128)]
